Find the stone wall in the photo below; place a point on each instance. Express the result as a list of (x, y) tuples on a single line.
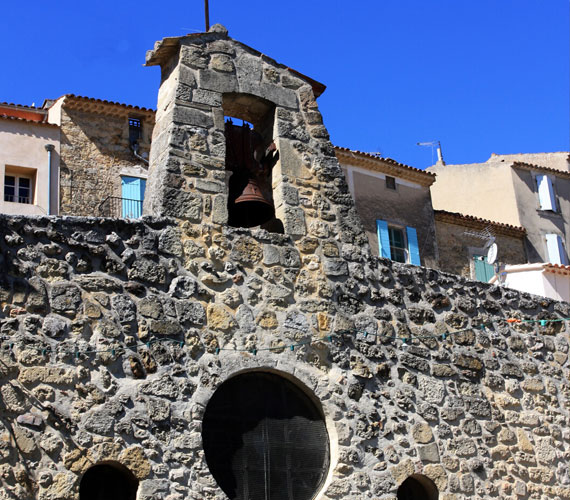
[(95, 152), (116, 333), (109, 335)]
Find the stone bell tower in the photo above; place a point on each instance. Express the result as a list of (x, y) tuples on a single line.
[(277, 170)]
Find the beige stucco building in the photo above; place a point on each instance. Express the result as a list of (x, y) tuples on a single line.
[(507, 190), (394, 203), (29, 161)]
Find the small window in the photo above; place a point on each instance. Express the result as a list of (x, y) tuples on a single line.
[(17, 189), (390, 182), (135, 130)]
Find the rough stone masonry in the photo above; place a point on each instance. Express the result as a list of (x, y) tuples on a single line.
[(115, 333)]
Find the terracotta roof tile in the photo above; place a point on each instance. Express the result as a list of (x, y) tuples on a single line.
[(530, 166), (454, 217), (384, 160), (4, 116), (105, 102)]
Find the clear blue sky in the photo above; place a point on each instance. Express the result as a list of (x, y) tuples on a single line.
[(481, 76)]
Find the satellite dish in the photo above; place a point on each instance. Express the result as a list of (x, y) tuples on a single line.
[(492, 254)]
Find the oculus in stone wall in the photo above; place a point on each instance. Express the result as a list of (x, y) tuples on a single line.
[(108, 481), (418, 487), (264, 439)]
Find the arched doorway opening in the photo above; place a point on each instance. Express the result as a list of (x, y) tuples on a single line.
[(417, 487), (265, 439), (108, 481)]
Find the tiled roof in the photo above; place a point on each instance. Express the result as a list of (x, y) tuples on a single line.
[(478, 222), (384, 165), (108, 107), (557, 268), (28, 114), (4, 116), (22, 106), (384, 159), (530, 166)]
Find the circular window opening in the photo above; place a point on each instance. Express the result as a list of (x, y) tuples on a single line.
[(108, 481), (417, 487), (264, 439)]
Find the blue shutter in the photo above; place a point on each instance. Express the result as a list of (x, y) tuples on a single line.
[(383, 239), (413, 248), (132, 192)]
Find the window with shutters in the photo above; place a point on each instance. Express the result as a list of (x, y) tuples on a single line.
[(398, 243), (546, 194)]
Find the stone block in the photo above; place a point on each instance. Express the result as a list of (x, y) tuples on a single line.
[(217, 82), (191, 116)]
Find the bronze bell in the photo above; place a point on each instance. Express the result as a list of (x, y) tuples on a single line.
[(251, 208)]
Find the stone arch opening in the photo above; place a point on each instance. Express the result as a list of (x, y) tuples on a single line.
[(108, 481), (417, 487), (264, 438), (250, 157)]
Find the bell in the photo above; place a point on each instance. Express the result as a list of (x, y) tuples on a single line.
[(251, 208)]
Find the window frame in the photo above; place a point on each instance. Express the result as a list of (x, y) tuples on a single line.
[(135, 129), (392, 228), (17, 177), (389, 184)]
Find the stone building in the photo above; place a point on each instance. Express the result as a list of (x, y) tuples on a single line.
[(462, 239), (508, 190), (29, 161), (393, 200), (103, 157), (180, 356)]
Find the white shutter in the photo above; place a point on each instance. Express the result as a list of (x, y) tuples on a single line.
[(554, 246), (545, 193)]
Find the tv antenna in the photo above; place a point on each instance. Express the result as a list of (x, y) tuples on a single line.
[(490, 246), (434, 144)]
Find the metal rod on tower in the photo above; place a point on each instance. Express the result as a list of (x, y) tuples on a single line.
[(207, 12)]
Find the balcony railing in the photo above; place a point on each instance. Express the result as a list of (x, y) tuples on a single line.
[(114, 206)]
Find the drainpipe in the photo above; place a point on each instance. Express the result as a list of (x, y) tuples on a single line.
[(49, 148)]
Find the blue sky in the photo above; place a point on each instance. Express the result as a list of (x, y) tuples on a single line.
[(481, 77)]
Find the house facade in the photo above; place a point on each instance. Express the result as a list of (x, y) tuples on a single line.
[(29, 161), (394, 203), (513, 192), (463, 242), (104, 155)]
